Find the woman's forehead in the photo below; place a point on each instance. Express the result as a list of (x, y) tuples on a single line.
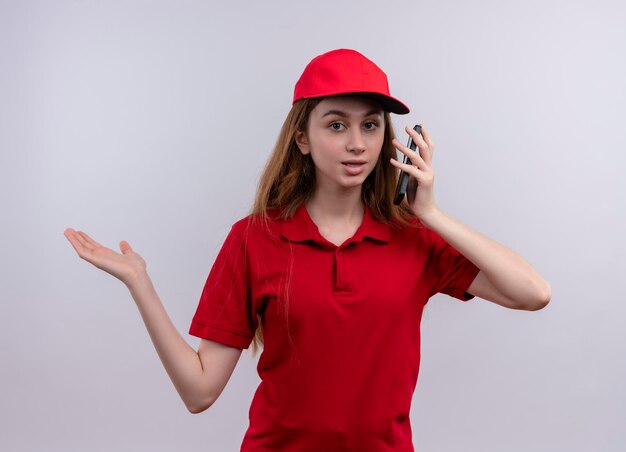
[(349, 104)]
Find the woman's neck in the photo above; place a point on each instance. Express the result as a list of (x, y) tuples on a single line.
[(337, 208)]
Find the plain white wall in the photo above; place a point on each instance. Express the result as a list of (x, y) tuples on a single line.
[(150, 121)]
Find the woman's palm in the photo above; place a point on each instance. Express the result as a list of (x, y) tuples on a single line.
[(123, 266)]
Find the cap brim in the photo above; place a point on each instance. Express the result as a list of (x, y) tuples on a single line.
[(390, 104)]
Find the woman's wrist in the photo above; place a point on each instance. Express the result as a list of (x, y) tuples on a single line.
[(430, 217), (138, 280)]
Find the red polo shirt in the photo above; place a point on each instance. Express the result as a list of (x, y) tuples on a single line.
[(340, 374)]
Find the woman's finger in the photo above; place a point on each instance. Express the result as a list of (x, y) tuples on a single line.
[(415, 157), (70, 235), (430, 145), (424, 144), (410, 169), (125, 247), (83, 241), (83, 248), (428, 141), (89, 240)]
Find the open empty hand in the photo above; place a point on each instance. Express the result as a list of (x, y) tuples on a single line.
[(125, 266)]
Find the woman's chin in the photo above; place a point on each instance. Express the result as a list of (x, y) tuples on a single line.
[(352, 183), (344, 182)]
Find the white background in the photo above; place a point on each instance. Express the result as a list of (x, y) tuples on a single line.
[(150, 121)]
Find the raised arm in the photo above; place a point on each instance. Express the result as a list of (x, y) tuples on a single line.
[(199, 377), (505, 277)]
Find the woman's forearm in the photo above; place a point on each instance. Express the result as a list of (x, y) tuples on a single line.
[(509, 272), (182, 363)]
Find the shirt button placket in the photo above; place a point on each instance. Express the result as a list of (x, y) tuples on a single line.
[(341, 279)]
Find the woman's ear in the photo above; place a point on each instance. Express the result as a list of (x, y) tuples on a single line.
[(302, 142)]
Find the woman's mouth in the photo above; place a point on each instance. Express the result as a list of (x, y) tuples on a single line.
[(354, 168)]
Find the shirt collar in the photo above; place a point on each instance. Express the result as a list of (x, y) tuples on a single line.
[(300, 227)]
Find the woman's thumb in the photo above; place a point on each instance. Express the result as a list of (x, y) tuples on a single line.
[(125, 247)]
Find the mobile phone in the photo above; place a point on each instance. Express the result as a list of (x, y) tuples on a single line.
[(403, 179)]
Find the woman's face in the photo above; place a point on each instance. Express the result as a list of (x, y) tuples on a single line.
[(344, 136)]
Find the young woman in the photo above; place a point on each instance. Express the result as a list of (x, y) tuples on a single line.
[(328, 274)]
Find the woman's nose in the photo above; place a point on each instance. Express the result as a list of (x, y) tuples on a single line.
[(356, 143)]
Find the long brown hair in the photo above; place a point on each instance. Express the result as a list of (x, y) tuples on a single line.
[(288, 180)]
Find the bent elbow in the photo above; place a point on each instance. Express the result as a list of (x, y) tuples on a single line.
[(538, 305), (542, 301), (197, 407)]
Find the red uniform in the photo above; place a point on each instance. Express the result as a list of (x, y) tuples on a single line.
[(340, 374)]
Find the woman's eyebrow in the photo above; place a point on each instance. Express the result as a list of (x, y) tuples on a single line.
[(375, 111)]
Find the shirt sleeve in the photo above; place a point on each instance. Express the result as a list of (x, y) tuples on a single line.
[(454, 273), (224, 312)]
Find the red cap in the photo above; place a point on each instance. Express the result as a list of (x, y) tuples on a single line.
[(346, 71)]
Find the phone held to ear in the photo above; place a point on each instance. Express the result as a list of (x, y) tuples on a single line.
[(403, 180)]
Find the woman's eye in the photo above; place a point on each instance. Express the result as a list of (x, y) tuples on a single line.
[(336, 125), (369, 125)]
